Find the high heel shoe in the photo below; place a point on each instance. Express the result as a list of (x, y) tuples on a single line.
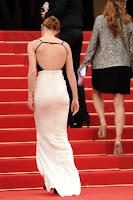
[(102, 131), (118, 147), (44, 187), (55, 191)]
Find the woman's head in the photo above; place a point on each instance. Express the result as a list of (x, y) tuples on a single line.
[(51, 23), (114, 10)]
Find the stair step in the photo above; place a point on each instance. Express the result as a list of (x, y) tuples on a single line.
[(79, 148), (21, 35), (30, 35), (13, 95), (12, 59), (27, 121), (87, 179), (13, 71), (29, 135), (2, 36), (13, 108), (82, 163), (6, 48)]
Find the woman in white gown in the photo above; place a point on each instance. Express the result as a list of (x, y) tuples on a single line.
[(54, 154)]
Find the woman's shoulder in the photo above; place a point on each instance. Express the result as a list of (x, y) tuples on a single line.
[(100, 18)]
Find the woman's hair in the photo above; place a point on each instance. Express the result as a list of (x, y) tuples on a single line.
[(114, 10), (51, 23)]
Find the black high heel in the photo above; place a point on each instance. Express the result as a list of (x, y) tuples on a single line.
[(55, 191), (44, 187), (76, 125), (88, 123)]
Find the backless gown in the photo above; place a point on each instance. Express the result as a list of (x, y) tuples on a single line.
[(54, 155)]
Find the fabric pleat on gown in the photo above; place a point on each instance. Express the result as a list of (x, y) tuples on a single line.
[(54, 154)]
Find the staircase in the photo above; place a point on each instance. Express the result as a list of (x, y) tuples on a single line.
[(94, 157)]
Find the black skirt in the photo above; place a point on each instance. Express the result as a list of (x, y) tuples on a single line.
[(112, 80)]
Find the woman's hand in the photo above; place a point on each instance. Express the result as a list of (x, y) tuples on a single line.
[(131, 79), (30, 104), (74, 107), (43, 14), (80, 78)]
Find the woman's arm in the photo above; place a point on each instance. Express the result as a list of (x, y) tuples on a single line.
[(31, 74), (72, 81), (92, 46)]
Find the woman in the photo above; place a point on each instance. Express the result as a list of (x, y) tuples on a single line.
[(51, 105), (111, 54)]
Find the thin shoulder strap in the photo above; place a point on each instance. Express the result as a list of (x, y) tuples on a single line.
[(63, 45), (38, 45)]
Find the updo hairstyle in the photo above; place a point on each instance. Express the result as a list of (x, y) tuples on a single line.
[(52, 23)]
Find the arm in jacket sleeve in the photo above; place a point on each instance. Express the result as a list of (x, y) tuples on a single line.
[(59, 9), (92, 46)]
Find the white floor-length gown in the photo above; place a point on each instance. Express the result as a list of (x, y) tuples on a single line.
[(54, 154)]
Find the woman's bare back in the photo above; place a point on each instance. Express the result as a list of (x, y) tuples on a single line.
[(50, 56)]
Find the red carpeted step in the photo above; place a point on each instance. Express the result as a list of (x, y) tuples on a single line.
[(21, 35), (97, 162), (79, 148), (2, 35), (126, 145), (87, 35), (20, 48), (106, 178), (12, 59), (89, 71), (22, 108), (14, 108), (27, 135), (27, 121), (28, 149), (87, 178), (84, 47), (21, 95), (13, 95), (111, 133), (21, 181), (31, 35), (6, 48), (126, 162), (13, 83), (14, 71), (21, 83), (82, 163)]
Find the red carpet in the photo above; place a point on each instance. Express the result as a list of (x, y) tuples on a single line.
[(93, 156), (106, 193)]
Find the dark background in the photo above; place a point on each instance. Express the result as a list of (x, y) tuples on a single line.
[(25, 14)]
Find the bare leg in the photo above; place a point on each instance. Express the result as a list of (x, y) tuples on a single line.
[(99, 106), (119, 120)]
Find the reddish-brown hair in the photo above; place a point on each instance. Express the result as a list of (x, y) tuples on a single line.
[(114, 10), (52, 23)]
